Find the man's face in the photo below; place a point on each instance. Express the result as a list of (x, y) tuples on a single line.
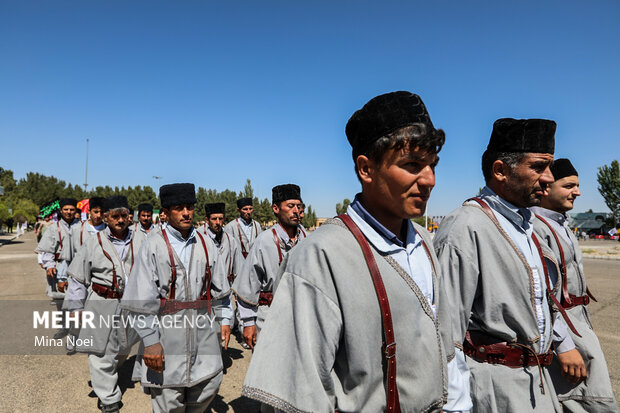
[(562, 194), (68, 213), (527, 182), (162, 216), (215, 222), (180, 217), (96, 216), (117, 220), (288, 212), (246, 212), (400, 185), (145, 218)]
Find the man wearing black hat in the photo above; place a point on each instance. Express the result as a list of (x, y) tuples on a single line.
[(499, 283), (569, 378), (177, 277), (101, 267), (228, 250), (244, 229), (144, 225), (360, 320), (57, 249), (94, 224), (254, 286)]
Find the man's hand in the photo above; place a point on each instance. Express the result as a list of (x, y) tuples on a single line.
[(225, 335), (154, 357), (51, 272), (573, 367), (249, 335), (61, 286)]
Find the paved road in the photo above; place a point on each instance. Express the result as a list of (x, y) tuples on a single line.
[(59, 383)]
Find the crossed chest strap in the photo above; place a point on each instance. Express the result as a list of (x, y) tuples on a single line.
[(568, 300), (170, 305)]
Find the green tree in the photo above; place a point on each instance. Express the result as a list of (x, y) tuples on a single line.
[(7, 181), (310, 218), (608, 177), (341, 207), (25, 210), (248, 191)]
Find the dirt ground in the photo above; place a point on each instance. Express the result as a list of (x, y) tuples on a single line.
[(60, 383)]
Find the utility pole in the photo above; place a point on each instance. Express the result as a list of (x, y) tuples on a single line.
[(86, 173)]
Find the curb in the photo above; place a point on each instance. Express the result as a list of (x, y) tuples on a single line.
[(602, 257)]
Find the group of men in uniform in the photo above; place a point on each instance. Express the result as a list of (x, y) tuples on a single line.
[(369, 313)]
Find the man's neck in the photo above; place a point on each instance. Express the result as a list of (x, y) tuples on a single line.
[(247, 221), (68, 222), (184, 232), (392, 223), (119, 235), (147, 229), (291, 231)]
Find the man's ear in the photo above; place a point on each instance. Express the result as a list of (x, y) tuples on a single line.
[(500, 171), (275, 208), (365, 168)]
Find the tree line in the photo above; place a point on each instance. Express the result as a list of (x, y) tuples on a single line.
[(27, 195)]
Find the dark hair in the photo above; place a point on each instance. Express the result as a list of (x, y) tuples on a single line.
[(412, 136), (512, 159)]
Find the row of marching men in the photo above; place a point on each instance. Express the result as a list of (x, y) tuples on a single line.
[(167, 286)]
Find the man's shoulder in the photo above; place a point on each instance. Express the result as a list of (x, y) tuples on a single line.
[(465, 220)]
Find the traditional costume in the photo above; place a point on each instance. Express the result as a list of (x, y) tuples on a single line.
[(139, 232), (498, 281), (360, 320), (102, 268), (244, 232), (254, 285), (177, 278), (595, 393)]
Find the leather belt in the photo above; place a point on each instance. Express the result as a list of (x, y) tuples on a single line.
[(513, 355), (170, 306), (105, 291), (576, 300), (265, 298)]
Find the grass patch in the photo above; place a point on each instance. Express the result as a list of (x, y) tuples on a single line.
[(587, 251)]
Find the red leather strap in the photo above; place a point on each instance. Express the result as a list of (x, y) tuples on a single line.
[(550, 295), (81, 233), (173, 267), (389, 345), (105, 291), (114, 278), (265, 298), (507, 354), (277, 241), (549, 292), (566, 300), (206, 279), (230, 257)]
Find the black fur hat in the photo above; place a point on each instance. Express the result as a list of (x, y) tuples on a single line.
[(562, 168), (145, 207), (215, 208), (117, 201), (283, 192), (177, 194), (523, 135), (243, 202), (385, 114)]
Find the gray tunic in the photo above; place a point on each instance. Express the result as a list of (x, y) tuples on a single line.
[(139, 235), (229, 252), (192, 347), (260, 269), (80, 232), (595, 393), (492, 290), (90, 266), (56, 247), (321, 347), (235, 228)]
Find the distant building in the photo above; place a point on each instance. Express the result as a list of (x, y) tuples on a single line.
[(590, 222)]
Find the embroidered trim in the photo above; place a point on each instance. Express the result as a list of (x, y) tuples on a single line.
[(521, 257), (270, 399), (403, 274)]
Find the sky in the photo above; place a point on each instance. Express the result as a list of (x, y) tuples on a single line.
[(216, 92)]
